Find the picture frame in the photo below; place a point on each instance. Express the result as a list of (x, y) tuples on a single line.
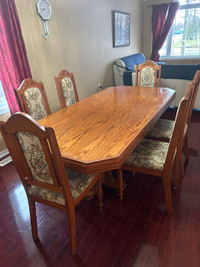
[(121, 29)]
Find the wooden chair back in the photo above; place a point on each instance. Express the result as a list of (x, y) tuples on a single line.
[(179, 126), (37, 157), (32, 99), (195, 83), (149, 74), (66, 87)]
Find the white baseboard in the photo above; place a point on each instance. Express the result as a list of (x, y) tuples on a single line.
[(5, 157), (3, 153), (5, 161)]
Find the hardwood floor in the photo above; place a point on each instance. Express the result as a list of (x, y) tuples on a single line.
[(136, 231)]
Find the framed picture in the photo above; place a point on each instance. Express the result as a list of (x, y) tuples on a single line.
[(121, 29)]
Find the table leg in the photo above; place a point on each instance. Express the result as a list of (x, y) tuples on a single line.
[(111, 181)]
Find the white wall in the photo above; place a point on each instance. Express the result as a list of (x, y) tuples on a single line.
[(80, 41)]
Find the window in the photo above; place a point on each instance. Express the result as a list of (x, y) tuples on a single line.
[(184, 37), (3, 102)]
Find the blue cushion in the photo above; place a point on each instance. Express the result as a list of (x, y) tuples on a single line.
[(131, 61), (183, 72)]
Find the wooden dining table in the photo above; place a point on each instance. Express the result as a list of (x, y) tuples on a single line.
[(98, 133)]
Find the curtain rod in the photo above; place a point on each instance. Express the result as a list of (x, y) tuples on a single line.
[(162, 3)]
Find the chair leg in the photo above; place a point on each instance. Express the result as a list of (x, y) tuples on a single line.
[(180, 161), (33, 216), (99, 193), (167, 191), (186, 147), (120, 179), (175, 174), (72, 230)]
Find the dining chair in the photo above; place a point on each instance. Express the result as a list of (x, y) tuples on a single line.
[(38, 161), (163, 128), (66, 87), (32, 99), (148, 73), (159, 158)]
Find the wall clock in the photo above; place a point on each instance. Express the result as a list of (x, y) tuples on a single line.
[(44, 10)]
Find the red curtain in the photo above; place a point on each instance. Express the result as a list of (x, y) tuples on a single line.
[(162, 20), (14, 65)]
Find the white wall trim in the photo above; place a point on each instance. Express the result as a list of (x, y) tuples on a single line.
[(5, 157)]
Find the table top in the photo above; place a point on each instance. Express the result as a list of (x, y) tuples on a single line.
[(98, 133)]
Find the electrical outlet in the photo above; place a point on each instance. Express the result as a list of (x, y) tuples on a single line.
[(99, 87)]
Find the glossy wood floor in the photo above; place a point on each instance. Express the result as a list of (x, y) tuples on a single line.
[(134, 232)]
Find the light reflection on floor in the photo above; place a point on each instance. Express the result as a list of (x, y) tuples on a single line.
[(20, 204)]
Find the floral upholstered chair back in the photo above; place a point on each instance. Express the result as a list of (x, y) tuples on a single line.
[(35, 103), (32, 99), (147, 77), (148, 73), (39, 168), (66, 88), (35, 157)]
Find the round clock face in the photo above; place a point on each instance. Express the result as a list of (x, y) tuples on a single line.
[(44, 9)]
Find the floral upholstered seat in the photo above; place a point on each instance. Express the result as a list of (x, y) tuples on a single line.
[(149, 154), (162, 129), (46, 194), (37, 158), (66, 87), (78, 183)]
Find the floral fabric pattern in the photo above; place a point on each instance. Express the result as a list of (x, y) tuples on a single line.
[(46, 194), (77, 181), (35, 157), (149, 154), (162, 129), (36, 161), (68, 90), (35, 103), (147, 77)]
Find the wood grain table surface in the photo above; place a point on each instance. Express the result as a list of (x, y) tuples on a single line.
[(98, 133)]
